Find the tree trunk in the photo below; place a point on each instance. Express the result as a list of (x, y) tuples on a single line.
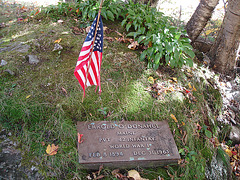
[(200, 18), (223, 52)]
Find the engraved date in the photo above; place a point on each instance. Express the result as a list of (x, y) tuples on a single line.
[(105, 154)]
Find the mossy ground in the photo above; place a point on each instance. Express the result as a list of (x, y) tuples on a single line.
[(42, 103)]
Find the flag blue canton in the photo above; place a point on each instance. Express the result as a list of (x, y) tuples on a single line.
[(98, 44)]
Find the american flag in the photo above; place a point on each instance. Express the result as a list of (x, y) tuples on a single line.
[(93, 75)]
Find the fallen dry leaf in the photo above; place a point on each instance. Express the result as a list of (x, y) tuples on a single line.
[(100, 177), (151, 80), (110, 39), (87, 29), (229, 152), (189, 85), (175, 79), (135, 175), (174, 118), (172, 176), (64, 90), (51, 149), (115, 171), (80, 138), (28, 96), (100, 169), (133, 45), (194, 89), (58, 40), (77, 30), (119, 33)]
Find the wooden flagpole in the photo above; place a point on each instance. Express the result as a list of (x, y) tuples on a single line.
[(99, 12)]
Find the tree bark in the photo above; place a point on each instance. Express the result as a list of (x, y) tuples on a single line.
[(202, 45), (200, 18), (223, 52)]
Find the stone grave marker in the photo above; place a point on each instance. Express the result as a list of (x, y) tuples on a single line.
[(125, 144)]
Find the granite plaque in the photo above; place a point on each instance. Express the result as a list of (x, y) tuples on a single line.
[(125, 144)]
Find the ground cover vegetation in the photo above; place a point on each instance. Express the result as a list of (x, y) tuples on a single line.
[(41, 103)]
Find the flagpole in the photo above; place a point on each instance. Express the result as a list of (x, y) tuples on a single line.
[(99, 12)]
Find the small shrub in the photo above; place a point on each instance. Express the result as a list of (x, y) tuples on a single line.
[(165, 44)]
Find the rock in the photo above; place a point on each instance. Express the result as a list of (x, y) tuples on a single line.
[(3, 63), (231, 114), (16, 46), (229, 85), (235, 109), (235, 135), (178, 96), (22, 48), (236, 96), (218, 169), (57, 47), (11, 160), (32, 59), (10, 72)]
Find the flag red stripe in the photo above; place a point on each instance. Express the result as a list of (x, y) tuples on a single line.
[(89, 78), (93, 69), (85, 48), (79, 80)]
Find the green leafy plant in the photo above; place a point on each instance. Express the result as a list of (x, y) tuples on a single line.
[(165, 44), (112, 9), (103, 111), (206, 131), (87, 10), (189, 155), (62, 9)]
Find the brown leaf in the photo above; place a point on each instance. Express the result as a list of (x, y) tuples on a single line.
[(64, 90), (100, 169), (171, 176), (87, 29), (115, 171), (135, 175), (129, 40), (110, 39), (150, 44), (121, 39), (133, 46), (77, 30), (119, 33), (106, 30), (100, 177), (51, 149)]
